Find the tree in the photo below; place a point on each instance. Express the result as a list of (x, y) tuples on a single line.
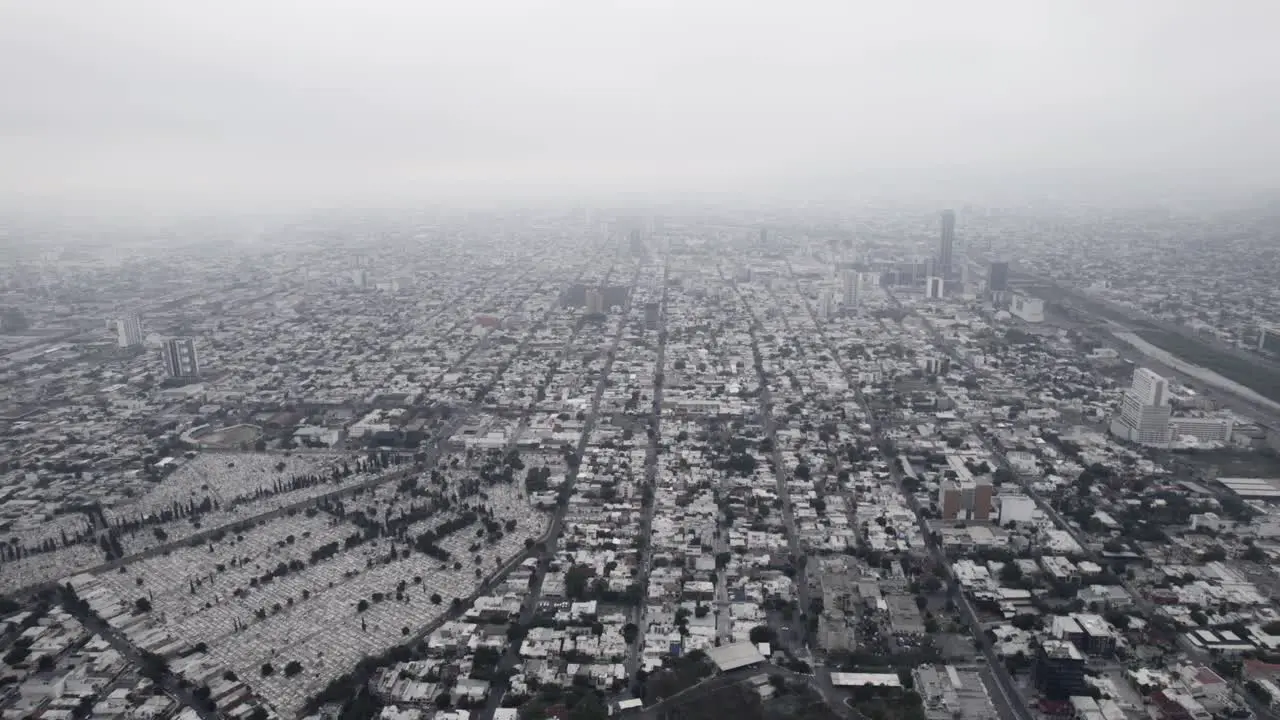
[(141, 605), (922, 602), (762, 634), (436, 599), (1011, 572), (590, 707), (267, 670), (576, 581), (630, 633), (362, 605), (292, 668)]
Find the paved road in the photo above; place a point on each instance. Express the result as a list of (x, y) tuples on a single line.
[(799, 627), (833, 698), (554, 530), (1007, 700), (130, 652), (650, 478)]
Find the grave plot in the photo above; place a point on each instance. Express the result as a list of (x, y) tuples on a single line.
[(322, 591)]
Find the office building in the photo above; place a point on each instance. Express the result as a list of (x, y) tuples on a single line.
[(964, 497), (934, 288), (1203, 429), (935, 365), (636, 240), (1058, 672), (595, 302), (180, 358), (998, 276), (851, 286), (1269, 339), (652, 315), (1027, 308), (129, 331), (946, 242), (1150, 387), (360, 278), (826, 305), (1144, 412)]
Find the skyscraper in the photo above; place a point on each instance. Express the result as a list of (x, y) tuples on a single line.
[(946, 242), (998, 276), (652, 315), (1144, 410), (595, 301), (826, 304), (1151, 387), (851, 286), (934, 288), (180, 359), (129, 331)]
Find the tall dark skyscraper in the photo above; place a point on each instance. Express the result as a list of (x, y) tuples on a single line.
[(998, 277), (948, 239)]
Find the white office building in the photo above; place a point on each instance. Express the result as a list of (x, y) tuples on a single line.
[(1144, 410), (934, 288), (1202, 429), (826, 304), (1027, 308), (1150, 387)]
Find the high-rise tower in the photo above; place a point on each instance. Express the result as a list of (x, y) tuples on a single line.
[(946, 242)]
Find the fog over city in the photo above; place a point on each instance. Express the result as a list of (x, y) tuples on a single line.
[(155, 104), (648, 360)]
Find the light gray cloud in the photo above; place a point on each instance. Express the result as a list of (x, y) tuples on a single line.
[(154, 102)]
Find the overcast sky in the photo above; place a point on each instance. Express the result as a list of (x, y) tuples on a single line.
[(164, 102)]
